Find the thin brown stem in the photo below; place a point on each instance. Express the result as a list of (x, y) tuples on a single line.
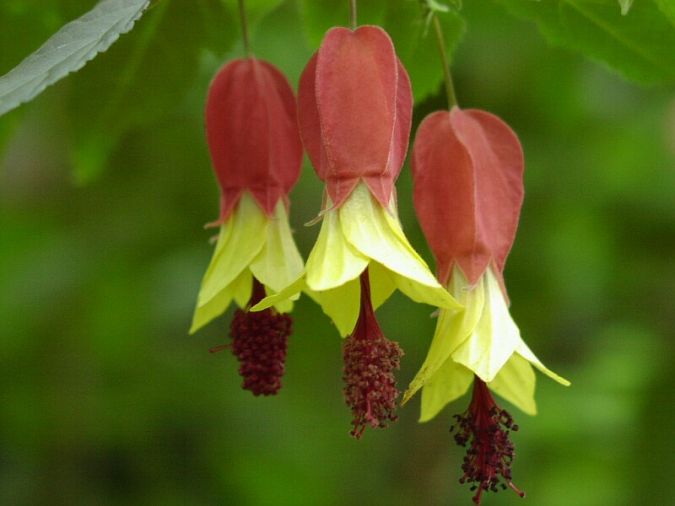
[(447, 77), (244, 28), (352, 14)]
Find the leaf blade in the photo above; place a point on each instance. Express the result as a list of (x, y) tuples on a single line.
[(68, 50), (638, 45)]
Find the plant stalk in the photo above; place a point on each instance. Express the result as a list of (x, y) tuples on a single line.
[(244, 29), (447, 77), (352, 14)]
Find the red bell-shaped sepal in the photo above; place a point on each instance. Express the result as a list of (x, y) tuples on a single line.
[(354, 110), (251, 128), (468, 176)]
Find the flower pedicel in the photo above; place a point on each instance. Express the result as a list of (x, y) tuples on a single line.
[(354, 111), (468, 177), (255, 147)]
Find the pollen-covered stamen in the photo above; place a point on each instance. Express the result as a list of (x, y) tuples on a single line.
[(484, 430), (259, 341), (370, 360)]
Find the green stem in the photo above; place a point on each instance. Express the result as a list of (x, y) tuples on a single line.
[(440, 40), (352, 14), (244, 28)]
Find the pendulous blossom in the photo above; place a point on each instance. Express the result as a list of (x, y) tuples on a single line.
[(255, 146), (468, 177), (354, 112)]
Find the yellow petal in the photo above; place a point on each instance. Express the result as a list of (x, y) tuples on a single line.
[(515, 382), (242, 287), (434, 296), (452, 329), (382, 284), (287, 293), (527, 354), (373, 232), (333, 261), (341, 304), (279, 262), (213, 308), (495, 337), (241, 238), (285, 306), (451, 381)]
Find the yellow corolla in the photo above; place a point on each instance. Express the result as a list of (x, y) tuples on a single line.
[(482, 340), (362, 234), (250, 245)]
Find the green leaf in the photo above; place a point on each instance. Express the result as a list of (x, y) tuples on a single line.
[(416, 45), (638, 45), (145, 77), (68, 50)]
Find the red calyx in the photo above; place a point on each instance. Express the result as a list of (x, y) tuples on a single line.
[(260, 341), (354, 111), (468, 176), (370, 360), (484, 429), (252, 132)]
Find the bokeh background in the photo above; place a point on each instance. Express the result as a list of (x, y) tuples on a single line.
[(105, 183)]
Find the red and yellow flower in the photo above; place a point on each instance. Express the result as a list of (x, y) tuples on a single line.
[(253, 138), (468, 177), (354, 111)]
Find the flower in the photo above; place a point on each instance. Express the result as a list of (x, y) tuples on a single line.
[(255, 147), (467, 169), (354, 112), (468, 176)]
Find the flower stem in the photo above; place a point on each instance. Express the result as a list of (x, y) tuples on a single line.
[(352, 14), (440, 41), (244, 28)]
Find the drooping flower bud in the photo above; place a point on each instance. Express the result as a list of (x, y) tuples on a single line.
[(252, 132), (468, 176), (355, 108)]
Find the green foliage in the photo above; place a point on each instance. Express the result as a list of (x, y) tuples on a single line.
[(68, 50), (144, 77), (416, 43), (639, 44)]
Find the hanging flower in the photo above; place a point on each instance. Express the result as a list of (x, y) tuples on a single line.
[(354, 111), (468, 170), (255, 147)]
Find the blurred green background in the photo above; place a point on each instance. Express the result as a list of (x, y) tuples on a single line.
[(105, 183)]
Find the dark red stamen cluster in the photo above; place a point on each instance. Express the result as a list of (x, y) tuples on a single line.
[(485, 429), (260, 341), (370, 361)]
